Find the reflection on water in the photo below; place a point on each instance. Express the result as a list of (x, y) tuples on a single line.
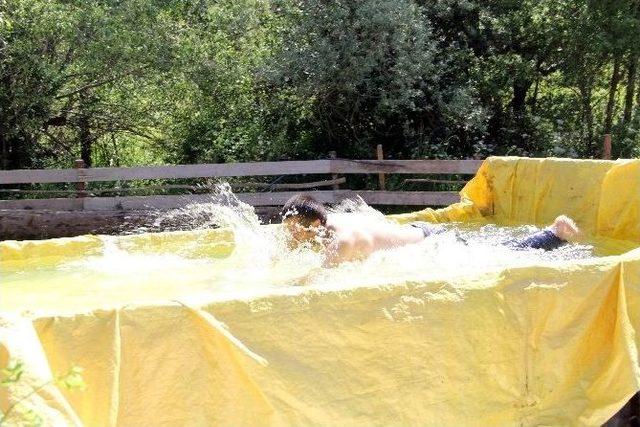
[(128, 271)]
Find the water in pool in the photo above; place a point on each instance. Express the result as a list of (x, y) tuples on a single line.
[(126, 270)]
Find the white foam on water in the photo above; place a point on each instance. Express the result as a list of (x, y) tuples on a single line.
[(262, 258)]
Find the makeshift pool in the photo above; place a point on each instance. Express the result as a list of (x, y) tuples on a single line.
[(457, 329), (108, 271)]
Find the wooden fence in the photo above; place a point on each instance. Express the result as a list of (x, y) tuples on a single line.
[(83, 198)]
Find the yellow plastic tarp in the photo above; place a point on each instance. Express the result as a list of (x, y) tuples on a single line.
[(549, 344)]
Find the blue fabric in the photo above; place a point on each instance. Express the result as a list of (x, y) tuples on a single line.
[(544, 239)]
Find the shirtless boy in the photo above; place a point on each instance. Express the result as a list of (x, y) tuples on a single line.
[(350, 237)]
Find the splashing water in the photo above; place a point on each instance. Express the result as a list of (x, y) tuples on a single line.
[(260, 260), (255, 244)]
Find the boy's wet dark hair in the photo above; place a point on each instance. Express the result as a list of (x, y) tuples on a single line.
[(305, 209)]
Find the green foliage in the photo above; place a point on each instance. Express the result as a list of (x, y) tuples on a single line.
[(121, 82), (19, 413), (11, 373), (374, 74), (72, 72), (227, 115)]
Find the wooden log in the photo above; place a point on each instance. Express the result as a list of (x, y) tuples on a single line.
[(47, 224), (35, 191), (286, 186), (177, 201), (105, 190), (62, 204), (149, 188), (412, 198)]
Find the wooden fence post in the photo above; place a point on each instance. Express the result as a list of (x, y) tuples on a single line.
[(81, 187), (380, 155), (606, 147), (334, 155)]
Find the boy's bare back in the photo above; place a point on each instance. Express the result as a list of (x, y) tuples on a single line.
[(355, 236)]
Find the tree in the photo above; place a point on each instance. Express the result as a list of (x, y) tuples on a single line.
[(370, 71), (139, 81), (59, 65)]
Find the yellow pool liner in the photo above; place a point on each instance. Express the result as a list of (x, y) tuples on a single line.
[(548, 344)]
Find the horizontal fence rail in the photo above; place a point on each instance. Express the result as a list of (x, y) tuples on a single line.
[(405, 166), (372, 197), (40, 176), (37, 176), (235, 185)]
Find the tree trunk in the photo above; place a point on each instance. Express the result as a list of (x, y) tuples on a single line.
[(533, 101), (587, 114), (534, 98), (5, 151), (86, 142), (631, 87), (520, 89), (638, 92), (615, 79), (5, 121)]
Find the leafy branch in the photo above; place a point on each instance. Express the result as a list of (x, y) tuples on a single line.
[(11, 377)]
